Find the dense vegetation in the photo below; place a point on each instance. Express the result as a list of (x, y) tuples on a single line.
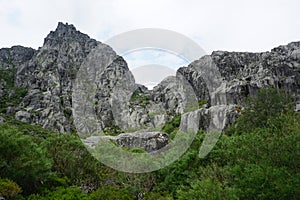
[(258, 157)]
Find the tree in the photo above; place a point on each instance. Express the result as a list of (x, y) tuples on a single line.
[(111, 192), (267, 109), (22, 160), (71, 159), (61, 193)]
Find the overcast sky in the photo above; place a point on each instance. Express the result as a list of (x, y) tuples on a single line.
[(233, 25)]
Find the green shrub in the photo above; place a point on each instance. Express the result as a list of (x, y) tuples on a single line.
[(22, 160), (111, 193), (206, 189), (259, 181), (71, 159), (138, 96), (172, 125), (112, 130), (267, 109), (201, 103), (9, 189), (71, 193)]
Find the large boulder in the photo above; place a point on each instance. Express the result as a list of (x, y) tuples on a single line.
[(148, 141)]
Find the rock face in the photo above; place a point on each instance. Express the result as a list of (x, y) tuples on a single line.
[(244, 73), (15, 56), (48, 76), (148, 141), (75, 83), (239, 75)]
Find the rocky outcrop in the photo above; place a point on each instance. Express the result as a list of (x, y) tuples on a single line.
[(49, 75), (148, 141), (15, 56), (244, 73), (23, 116), (76, 84), (10, 60), (226, 78), (247, 72)]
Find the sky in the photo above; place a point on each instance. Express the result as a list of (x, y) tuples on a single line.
[(231, 25)]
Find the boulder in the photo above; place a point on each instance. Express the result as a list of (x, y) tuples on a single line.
[(148, 141)]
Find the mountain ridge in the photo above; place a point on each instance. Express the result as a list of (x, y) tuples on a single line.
[(48, 75)]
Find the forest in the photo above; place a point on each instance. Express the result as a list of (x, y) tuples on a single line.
[(257, 157)]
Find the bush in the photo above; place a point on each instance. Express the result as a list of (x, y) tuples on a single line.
[(172, 125), (72, 193), (266, 110), (22, 160), (9, 189), (201, 103), (206, 189), (71, 159), (111, 193), (259, 181)]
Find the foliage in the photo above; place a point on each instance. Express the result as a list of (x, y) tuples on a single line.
[(37, 163), (71, 193), (172, 125), (254, 159), (265, 110), (9, 189), (134, 150), (157, 196), (112, 130), (201, 103), (260, 162), (265, 182), (37, 133), (22, 160), (205, 189), (111, 192), (71, 159), (138, 96), (181, 171)]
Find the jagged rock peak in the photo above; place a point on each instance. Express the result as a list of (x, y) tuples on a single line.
[(67, 31), (290, 46)]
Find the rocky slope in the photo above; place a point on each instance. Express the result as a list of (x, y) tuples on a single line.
[(226, 78), (15, 56), (75, 83)]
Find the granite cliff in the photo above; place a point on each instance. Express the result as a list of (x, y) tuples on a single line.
[(37, 87)]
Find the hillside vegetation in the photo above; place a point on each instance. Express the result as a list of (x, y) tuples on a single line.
[(258, 157)]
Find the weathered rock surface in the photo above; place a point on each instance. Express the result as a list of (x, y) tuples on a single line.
[(75, 83), (15, 56), (148, 141), (48, 76), (23, 116), (224, 79)]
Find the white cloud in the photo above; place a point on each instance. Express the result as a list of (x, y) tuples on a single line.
[(234, 25)]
